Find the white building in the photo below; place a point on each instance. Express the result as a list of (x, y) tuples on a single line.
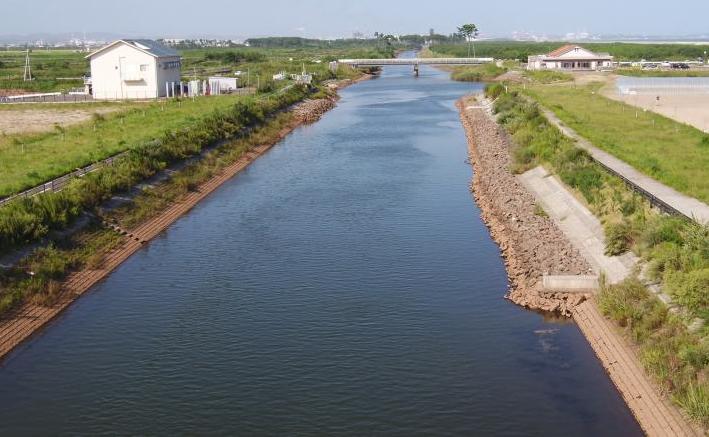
[(572, 58), (133, 69)]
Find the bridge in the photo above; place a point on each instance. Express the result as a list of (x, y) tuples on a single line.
[(410, 61)]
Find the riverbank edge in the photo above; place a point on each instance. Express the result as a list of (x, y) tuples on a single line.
[(28, 319), (655, 414)]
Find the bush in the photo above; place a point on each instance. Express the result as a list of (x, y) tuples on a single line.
[(478, 73), (690, 290), (619, 238), (493, 91)]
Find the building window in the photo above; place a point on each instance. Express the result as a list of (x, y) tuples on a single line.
[(144, 67)]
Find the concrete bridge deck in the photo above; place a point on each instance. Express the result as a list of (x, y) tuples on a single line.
[(414, 61)]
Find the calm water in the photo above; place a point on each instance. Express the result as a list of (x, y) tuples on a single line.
[(344, 284)]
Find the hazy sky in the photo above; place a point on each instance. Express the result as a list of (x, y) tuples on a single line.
[(319, 18)]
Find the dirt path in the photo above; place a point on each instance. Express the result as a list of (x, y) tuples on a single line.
[(14, 121), (20, 324)]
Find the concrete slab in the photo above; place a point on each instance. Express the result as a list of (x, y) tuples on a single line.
[(571, 283), (579, 225)]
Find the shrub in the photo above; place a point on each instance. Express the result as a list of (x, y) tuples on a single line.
[(695, 401), (690, 289), (619, 237)]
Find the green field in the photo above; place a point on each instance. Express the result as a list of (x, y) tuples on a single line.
[(48, 69), (671, 152), (478, 73), (622, 51), (28, 160)]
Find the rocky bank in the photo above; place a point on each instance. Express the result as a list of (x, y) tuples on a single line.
[(531, 243)]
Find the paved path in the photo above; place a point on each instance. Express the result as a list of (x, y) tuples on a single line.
[(655, 414), (681, 203), (579, 225)]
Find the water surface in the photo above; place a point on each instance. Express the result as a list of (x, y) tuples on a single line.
[(343, 284)]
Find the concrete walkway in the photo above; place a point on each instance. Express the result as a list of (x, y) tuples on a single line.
[(681, 203), (579, 225)]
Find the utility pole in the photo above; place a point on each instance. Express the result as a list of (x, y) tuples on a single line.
[(28, 68)]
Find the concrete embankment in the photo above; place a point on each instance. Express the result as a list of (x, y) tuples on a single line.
[(534, 247), (30, 317)]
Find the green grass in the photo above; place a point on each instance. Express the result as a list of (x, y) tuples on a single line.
[(50, 264), (676, 358), (47, 68), (548, 76), (671, 152), (478, 73), (29, 160), (676, 250)]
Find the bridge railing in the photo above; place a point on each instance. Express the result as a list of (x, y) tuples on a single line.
[(416, 61)]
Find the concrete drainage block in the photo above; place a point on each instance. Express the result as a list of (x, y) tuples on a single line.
[(570, 283)]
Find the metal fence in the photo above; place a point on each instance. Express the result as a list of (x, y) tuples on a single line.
[(59, 183), (47, 98), (663, 85)]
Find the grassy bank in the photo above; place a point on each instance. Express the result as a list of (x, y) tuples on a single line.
[(675, 357), (51, 263), (676, 250), (27, 220), (27, 160), (671, 152), (478, 73)]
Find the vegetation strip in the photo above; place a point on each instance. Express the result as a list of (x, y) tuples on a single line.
[(22, 322), (675, 250), (654, 414), (521, 265)]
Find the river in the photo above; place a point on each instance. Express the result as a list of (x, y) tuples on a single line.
[(343, 284)]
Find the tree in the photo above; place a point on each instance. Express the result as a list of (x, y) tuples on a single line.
[(470, 32)]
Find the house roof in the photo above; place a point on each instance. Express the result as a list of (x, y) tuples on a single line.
[(562, 50), (153, 48)]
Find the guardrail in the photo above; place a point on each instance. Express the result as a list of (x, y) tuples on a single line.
[(416, 61), (47, 98), (59, 183)]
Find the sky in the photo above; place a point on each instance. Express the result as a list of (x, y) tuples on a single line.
[(335, 18)]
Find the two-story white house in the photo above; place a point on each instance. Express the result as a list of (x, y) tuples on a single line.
[(133, 69), (570, 57)]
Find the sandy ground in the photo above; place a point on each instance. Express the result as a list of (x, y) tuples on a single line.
[(690, 109), (13, 121)]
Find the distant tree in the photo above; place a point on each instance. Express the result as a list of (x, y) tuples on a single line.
[(470, 32)]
